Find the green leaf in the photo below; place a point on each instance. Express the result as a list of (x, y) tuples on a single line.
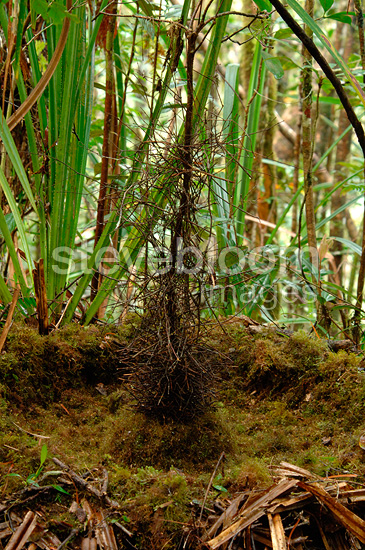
[(57, 13), (287, 63), (60, 489), (31, 479), (220, 488), (273, 64), (342, 16), (350, 244), (173, 12), (326, 4), (263, 5), (147, 7), (306, 18), (41, 7), (54, 11), (44, 453), (281, 34), (148, 27), (10, 222)]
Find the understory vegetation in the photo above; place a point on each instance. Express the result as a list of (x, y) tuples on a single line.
[(190, 158)]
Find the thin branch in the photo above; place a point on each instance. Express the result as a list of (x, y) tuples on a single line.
[(316, 54)]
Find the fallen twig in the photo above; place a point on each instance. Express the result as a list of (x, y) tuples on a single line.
[(30, 433), (85, 485), (23, 532), (210, 484)]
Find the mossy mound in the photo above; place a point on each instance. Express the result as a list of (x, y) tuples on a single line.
[(301, 371), (36, 368), (195, 445), (278, 398)]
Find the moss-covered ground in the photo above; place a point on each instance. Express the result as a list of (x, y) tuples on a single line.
[(277, 398)]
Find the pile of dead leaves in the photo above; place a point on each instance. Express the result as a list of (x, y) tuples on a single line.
[(300, 511)]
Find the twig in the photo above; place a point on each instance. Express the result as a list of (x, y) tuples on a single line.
[(30, 433), (117, 524), (210, 484), (71, 535), (85, 485)]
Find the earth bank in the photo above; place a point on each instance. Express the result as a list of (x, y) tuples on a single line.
[(277, 397)]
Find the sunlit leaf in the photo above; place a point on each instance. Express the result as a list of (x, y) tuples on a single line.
[(44, 453), (326, 4), (273, 64), (220, 488), (264, 5), (60, 489), (343, 17), (281, 34)]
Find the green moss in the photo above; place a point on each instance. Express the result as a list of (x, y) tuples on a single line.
[(141, 440), (278, 398), (38, 368)]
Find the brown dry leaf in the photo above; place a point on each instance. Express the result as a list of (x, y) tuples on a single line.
[(253, 512), (324, 247), (277, 532), (23, 532), (89, 544), (226, 518), (345, 517), (296, 471), (49, 541), (104, 532)]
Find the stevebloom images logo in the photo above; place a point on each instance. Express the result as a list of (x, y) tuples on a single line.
[(232, 265)]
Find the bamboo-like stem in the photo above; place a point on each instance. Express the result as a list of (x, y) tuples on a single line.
[(42, 84), (307, 138), (9, 318), (105, 161), (361, 278), (41, 297)]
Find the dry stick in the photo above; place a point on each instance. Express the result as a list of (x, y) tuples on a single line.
[(85, 485), (31, 433), (9, 318), (355, 122), (21, 535), (73, 533), (360, 24), (210, 484), (307, 139)]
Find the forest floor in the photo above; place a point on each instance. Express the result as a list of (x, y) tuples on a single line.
[(278, 398)]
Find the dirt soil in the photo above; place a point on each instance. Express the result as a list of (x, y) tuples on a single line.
[(66, 396)]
